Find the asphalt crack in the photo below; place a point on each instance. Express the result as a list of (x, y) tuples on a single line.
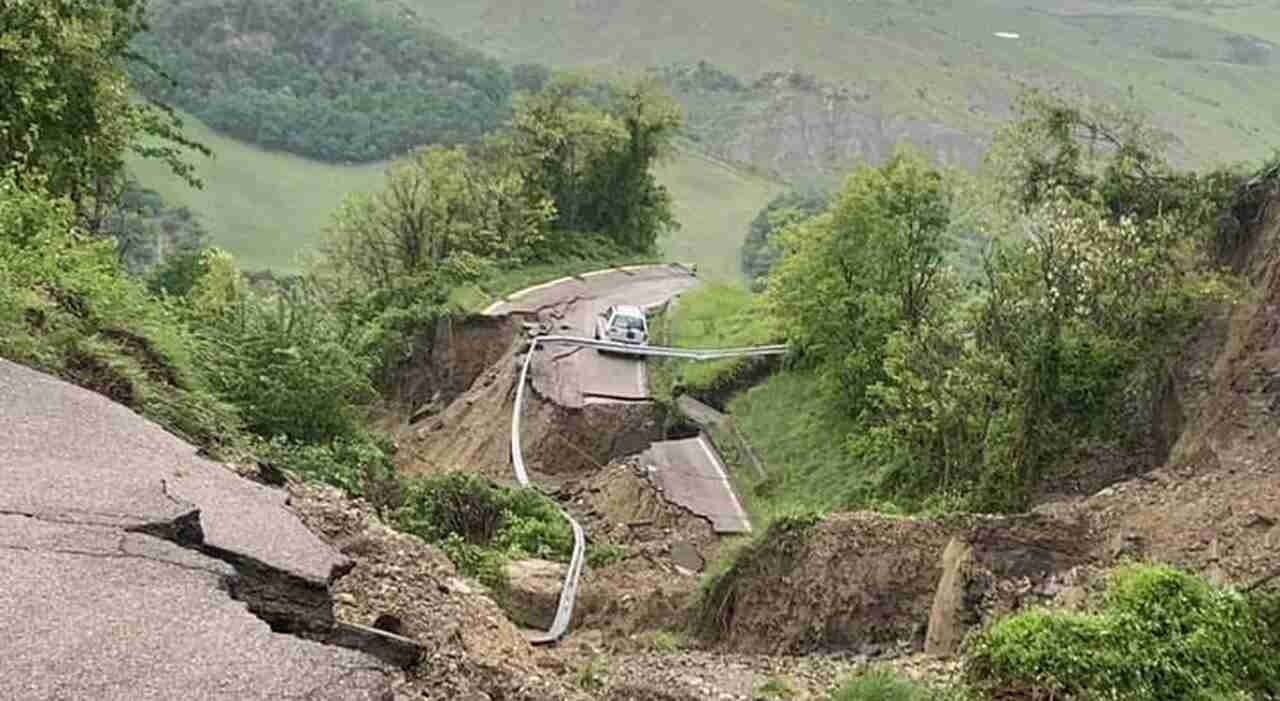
[(288, 603)]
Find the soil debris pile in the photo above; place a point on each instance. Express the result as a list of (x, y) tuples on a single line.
[(865, 583), (402, 584)]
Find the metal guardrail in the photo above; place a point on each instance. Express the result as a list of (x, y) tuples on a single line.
[(664, 352), (569, 591)]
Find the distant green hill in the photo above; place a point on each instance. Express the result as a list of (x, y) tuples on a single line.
[(337, 80), (921, 69), (266, 207)]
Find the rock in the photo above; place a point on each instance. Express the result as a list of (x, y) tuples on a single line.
[(948, 620), (1257, 520), (685, 555), (1125, 544), (533, 592)]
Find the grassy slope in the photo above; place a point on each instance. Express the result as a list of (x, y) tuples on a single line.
[(263, 206), (788, 429), (933, 59), (714, 204), (266, 206)]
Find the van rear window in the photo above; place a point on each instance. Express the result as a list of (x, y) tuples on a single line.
[(628, 322)]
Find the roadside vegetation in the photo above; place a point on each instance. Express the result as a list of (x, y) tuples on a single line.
[(291, 371), (1157, 634), (481, 526), (924, 386)]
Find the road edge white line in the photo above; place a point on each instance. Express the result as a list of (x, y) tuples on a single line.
[(493, 307), (724, 478)]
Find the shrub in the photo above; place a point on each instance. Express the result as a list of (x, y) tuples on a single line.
[(604, 554), (355, 465), (881, 685), (480, 525), (67, 308), (1160, 634)]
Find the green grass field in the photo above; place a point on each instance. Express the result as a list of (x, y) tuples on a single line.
[(714, 204), (262, 206), (933, 59), (266, 207)]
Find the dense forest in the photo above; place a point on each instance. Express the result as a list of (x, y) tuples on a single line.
[(336, 80)]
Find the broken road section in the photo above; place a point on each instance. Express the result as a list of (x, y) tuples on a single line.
[(132, 568), (690, 474)]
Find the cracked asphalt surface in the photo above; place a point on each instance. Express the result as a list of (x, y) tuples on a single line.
[(94, 610), (690, 474)]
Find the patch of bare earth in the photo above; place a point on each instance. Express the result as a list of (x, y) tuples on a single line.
[(1215, 506), (401, 584)]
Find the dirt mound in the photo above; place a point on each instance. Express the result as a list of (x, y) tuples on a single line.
[(408, 587), (866, 582), (658, 547), (1215, 506)]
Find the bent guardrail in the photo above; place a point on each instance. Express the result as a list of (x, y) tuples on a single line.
[(568, 592)]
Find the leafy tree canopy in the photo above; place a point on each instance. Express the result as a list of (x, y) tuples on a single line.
[(66, 114), (336, 80)]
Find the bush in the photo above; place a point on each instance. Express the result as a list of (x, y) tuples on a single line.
[(356, 465), (882, 685), (67, 308), (1160, 634), (479, 524)]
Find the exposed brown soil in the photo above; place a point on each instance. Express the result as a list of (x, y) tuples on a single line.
[(459, 351), (156, 366), (402, 584), (474, 432), (865, 582), (95, 374), (651, 586)]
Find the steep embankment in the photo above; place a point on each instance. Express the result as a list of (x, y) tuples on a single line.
[(1211, 506), (1215, 505), (865, 582)]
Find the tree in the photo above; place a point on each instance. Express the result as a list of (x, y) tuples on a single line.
[(595, 162), (66, 114), (760, 250), (392, 258), (866, 268)]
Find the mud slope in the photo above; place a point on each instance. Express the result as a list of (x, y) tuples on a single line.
[(864, 582), (1215, 506), (474, 432)]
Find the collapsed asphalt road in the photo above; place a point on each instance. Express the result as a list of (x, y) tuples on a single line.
[(689, 472), (130, 568), (574, 377)]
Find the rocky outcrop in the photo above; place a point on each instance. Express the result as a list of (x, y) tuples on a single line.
[(791, 124)]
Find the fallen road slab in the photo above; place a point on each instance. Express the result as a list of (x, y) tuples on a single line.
[(691, 474)]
